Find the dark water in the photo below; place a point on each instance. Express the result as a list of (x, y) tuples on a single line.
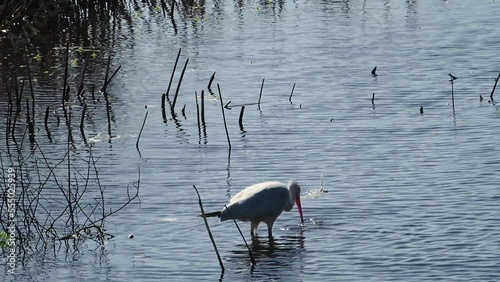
[(411, 196)]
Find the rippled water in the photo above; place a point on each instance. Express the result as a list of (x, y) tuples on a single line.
[(411, 197)]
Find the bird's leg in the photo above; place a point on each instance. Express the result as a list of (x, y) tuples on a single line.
[(270, 229), (253, 228)]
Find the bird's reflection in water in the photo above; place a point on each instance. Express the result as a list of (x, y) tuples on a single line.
[(277, 257)]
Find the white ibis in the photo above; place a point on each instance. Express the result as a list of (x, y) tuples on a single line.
[(263, 202)]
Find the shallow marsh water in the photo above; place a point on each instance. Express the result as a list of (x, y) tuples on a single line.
[(411, 196)]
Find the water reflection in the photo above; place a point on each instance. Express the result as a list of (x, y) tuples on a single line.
[(276, 258)]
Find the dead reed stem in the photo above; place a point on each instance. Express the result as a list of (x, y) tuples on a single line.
[(172, 76), (244, 240), (224, 117), (140, 132), (290, 98), (208, 229), (210, 84), (66, 63), (202, 102), (179, 85), (260, 95), (240, 120), (494, 87), (80, 88)]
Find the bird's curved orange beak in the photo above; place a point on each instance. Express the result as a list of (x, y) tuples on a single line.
[(299, 207)]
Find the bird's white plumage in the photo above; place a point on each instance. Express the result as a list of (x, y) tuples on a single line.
[(262, 202)]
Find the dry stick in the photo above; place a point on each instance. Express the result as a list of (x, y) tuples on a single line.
[(140, 132), (210, 84), (494, 87), (112, 76), (163, 7), (31, 88), (65, 74), (208, 229), (202, 107), (172, 76), (179, 85), (452, 97), (198, 116), (290, 98), (244, 240), (224, 117), (106, 94), (103, 89), (241, 118), (172, 16), (260, 95), (80, 88), (184, 111), (83, 117), (163, 114), (31, 127)]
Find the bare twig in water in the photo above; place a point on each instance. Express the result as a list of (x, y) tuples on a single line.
[(172, 76), (494, 87), (210, 84), (179, 85), (208, 229), (239, 230), (202, 102), (80, 88), (65, 74), (140, 132), (111, 78), (260, 95), (172, 16), (240, 121), (290, 98), (224, 116)]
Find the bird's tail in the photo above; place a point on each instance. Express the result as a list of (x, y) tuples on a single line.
[(211, 214)]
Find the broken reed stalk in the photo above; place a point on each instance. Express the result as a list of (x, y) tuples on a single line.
[(198, 115), (172, 16), (108, 114), (31, 127), (163, 114), (111, 78), (183, 111), (224, 116), (140, 132), (31, 88), (290, 98), (202, 106), (80, 88), (452, 97), (210, 84), (208, 229), (494, 87), (172, 76), (240, 120), (260, 95), (179, 85), (103, 89), (83, 117), (244, 240), (65, 73)]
